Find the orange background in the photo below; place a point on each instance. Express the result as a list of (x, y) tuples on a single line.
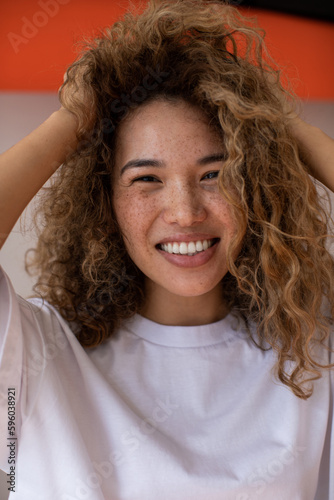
[(36, 46)]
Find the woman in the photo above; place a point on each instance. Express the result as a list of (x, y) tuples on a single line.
[(181, 347)]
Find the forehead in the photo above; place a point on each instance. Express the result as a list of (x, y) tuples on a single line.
[(164, 127)]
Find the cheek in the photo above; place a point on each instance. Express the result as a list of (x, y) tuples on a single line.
[(236, 228), (223, 212), (135, 215), (233, 229)]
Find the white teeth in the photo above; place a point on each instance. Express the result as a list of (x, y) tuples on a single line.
[(191, 247), (183, 248), (199, 246)]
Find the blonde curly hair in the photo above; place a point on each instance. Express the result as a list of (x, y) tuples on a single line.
[(206, 53)]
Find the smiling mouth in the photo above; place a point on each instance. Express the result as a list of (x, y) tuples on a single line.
[(189, 249)]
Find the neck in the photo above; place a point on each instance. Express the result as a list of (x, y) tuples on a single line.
[(167, 308)]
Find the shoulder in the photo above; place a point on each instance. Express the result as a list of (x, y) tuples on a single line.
[(42, 323), (29, 322)]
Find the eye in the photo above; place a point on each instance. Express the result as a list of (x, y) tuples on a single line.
[(212, 175), (146, 178)]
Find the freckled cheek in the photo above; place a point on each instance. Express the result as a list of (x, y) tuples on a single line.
[(230, 228), (135, 219), (224, 213), (235, 230)]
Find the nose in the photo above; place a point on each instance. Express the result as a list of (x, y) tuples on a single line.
[(184, 206)]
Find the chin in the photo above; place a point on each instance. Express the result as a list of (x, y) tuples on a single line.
[(188, 290)]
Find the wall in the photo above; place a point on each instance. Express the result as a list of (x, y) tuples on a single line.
[(38, 43)]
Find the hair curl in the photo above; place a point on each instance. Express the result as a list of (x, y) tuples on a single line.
[(207, 53)]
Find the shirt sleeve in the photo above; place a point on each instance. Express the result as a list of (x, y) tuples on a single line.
[(32, 334), (330, 438), (325, 487), (11, 361)]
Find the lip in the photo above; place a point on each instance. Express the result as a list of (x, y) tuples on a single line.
[(179, 237), (200, 259)]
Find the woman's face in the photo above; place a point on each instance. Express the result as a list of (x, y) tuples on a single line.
[(175, 223)]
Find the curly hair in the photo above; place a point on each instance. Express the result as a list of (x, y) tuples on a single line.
[(207, 54)]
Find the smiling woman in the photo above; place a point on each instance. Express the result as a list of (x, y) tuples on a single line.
[(184, 280), (176, 205)]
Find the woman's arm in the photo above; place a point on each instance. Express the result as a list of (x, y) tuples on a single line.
[(317, 150), (26, 166)]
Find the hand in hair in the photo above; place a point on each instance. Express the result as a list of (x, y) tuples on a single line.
[(316, 150), (76, 94)]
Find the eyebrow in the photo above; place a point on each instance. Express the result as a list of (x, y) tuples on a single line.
[(206, 160)]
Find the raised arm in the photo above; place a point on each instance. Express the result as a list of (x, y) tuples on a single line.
[(317, 150), (26, 166)]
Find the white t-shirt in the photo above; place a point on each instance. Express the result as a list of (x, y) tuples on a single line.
[(157, 413)]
